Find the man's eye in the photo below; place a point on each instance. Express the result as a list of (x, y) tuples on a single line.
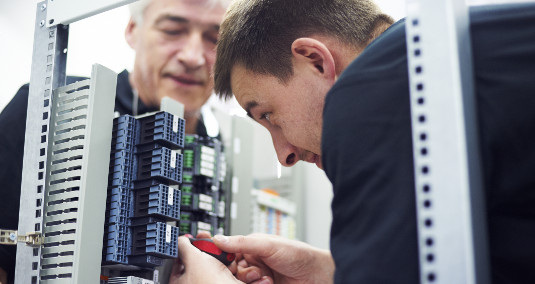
[(211, 39), (265, 116), (172, 32)]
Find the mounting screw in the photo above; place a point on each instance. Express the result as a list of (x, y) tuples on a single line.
[(12, 236), (43, 7), (42, 23)]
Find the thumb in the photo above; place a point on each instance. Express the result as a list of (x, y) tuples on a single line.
[(253, 244), (186, 251)]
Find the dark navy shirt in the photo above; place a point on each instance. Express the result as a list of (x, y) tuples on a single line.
[(367, 152)]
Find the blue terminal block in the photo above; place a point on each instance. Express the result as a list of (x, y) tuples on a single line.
[(150, 261), (157, 239), (117, 243), (162, 128), (120, 205), (160, 163), (158, 200), (123, 167), (143, 165), (124, 135)]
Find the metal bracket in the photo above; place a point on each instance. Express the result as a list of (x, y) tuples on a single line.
[(66, 12), (11, 237)]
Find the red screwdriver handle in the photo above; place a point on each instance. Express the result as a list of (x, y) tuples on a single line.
[(208, 246)]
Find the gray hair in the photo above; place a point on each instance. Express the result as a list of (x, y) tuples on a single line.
[(137, 8)]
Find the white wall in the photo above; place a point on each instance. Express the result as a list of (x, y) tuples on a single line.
[(98, 39), (16, 43)]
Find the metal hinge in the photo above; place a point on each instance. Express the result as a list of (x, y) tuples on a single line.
[(11, 237)]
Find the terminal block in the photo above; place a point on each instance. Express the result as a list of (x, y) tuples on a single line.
[(160, 163), (202, 157), (124, 133), (158, 200), (194, 222), (158, 239), (199, 202), (146, 260), (122, 168), (117, 243), (151, 158), (120, 205), (162, 128)]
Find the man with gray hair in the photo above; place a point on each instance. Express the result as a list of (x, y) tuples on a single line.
[(175, 52), (174, 41)]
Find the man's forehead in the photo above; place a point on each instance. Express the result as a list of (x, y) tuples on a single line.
[(201, 12)]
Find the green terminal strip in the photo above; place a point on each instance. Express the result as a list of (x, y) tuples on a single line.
[(185, 227), (190, 139), (188, 158), (186, 200), (187, 189), (187, 179), (185, 217)]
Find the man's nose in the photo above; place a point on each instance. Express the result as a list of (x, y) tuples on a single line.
[(192, 53), (286, 152)]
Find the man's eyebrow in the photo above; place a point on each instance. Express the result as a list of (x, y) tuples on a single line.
[(179, 20), (169, 17), (249, 106)]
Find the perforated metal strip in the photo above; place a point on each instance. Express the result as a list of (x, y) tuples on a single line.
[(449, 195)]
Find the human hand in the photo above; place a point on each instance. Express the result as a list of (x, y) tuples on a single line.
[(195, 266), (277, 259)]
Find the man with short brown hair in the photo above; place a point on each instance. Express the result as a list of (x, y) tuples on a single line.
[(294, 70)]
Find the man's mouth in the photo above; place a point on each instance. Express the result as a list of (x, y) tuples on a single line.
[(186, 80)]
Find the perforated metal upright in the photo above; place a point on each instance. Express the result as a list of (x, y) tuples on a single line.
[(449, 194), (63, 191), (66, 152)]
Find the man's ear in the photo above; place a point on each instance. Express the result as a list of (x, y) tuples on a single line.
[(130, 33), (316, 54)]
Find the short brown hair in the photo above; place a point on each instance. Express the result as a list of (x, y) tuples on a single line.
[(258, 34)]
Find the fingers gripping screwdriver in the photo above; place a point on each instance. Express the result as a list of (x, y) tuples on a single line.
[(208, 246)]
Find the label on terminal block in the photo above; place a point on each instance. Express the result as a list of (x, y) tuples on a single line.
[(205, 202), (204, 226), (174, 156), (167, 233), (221, 212), (170, 196), (175, 123)]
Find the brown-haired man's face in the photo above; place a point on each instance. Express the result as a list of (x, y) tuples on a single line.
[(291, 111), (175, 51)]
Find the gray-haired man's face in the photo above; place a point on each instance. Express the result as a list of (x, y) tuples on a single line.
[(175, 51)]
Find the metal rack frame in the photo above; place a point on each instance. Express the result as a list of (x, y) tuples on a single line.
[(48, 74)]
